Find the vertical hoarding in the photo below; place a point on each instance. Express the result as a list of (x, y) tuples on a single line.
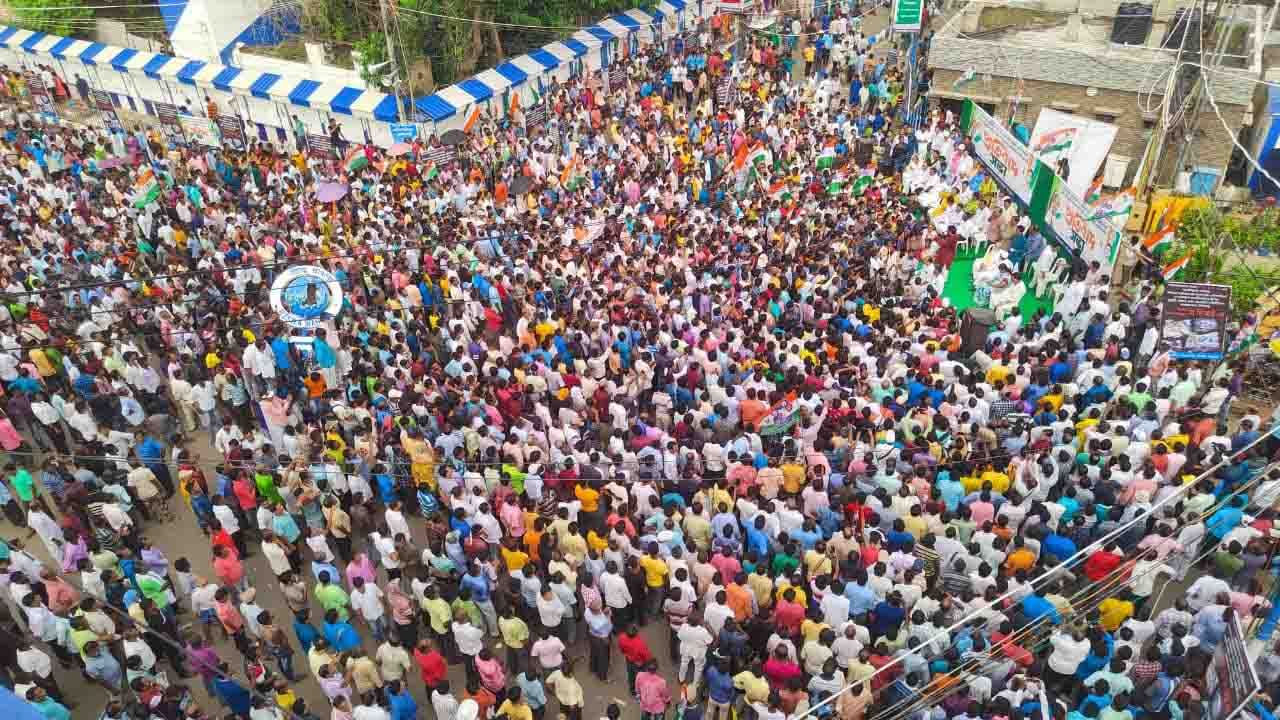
[(1195, 317), (1232, 679)]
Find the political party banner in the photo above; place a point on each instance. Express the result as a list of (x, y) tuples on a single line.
[(200, 131), (724, 90), (41, 97), (404, 132), (1194, 324), (232, 131), (102, 100), (319, 145), (617, 76), (1083, 142), (1232, 679), (535, 116), (441, 154), (169, 123), (1071, 220), (997, 148)]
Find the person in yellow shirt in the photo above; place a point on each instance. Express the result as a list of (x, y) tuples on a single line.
[(997, 374), (512, 556), (793, 474), (1022, 558), (655, 579), (1112, 613), (999, 481)]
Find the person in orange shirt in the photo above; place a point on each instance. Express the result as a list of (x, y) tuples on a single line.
[(1022, 558)]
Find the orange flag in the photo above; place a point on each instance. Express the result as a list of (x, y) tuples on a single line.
[(515, 102), (567, 173), (472, 119)]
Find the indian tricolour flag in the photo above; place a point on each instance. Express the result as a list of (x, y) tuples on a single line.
[(355, 160), (826, 158), (1118, 205), (146, 188), (779, 191), (1094, 193), (1159, 240), (759, 153), (1171, 270), (1055, 141)]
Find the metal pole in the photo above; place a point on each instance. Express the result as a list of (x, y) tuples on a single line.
[(391, 57)]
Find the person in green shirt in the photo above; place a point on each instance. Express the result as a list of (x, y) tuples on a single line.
[(23, 483), (332, 597), (515, 635), (267, 487), (786, 561), (463, 603), (440, 616)]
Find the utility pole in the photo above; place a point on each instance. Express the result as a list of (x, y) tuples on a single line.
[(391, 57), (1151, 169), (1192, 117)]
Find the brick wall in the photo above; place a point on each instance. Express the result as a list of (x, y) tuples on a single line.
[(1120, 107)]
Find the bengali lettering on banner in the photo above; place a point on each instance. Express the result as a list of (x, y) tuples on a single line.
[(1001, 152), (1069, 218), (232, 131), (319, 145), (200, 131), (1194, 320)]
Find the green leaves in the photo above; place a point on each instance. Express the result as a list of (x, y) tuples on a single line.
[(57, 17)]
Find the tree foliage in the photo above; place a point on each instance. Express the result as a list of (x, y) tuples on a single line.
[(1229, 250), (458, 37), (56, 17)]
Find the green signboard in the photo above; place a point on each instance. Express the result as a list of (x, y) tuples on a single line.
[(907, 15)]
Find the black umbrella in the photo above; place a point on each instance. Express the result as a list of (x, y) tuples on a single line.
[(521, 184), (453, 137)]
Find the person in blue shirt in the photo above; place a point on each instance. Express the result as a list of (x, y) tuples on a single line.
[(1059, 546), (1226, 519), (340, 635), (400, 701), (231, 693), (1035, 606), (888, 615), (304, 630), (720, 687)]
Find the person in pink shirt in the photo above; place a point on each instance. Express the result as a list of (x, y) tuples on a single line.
[(982, 510), (653, 692)]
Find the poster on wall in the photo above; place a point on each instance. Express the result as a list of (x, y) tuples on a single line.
[(1001, 152), (1081, 142), (200, 131), (232, 131), (1069, 218), (1195, 318), (167, 113)]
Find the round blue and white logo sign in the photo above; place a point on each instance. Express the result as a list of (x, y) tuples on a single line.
[(306, 296)]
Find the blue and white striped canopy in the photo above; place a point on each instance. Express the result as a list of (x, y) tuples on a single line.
[(299, 92)]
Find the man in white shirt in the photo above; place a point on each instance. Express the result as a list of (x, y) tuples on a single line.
[(366, 598)]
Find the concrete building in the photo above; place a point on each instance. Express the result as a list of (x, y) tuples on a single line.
[(1103, 63)]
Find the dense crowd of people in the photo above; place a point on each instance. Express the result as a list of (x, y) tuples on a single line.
[(701, 375)]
